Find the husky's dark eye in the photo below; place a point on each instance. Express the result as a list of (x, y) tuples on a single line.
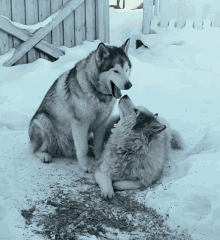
[(116, 71), (136, 111)]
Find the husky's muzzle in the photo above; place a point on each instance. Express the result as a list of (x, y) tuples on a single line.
[(116, 92), (126, 105)]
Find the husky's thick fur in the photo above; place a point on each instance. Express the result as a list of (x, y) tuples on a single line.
[(79, 102), (135, 151)]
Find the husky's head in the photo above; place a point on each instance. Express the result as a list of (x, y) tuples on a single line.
[(114, 67), (138, 120)]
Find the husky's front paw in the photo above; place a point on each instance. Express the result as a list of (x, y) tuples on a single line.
[(107, 193), (85, 165)]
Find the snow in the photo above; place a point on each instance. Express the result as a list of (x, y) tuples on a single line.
[(178, 76), (34, 27)]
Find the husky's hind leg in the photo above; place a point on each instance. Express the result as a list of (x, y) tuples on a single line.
[(39, 145), (39, 130), (42, 154)]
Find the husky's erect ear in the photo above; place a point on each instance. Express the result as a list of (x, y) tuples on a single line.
[(125, 46), (157, 128), (153, 130), (102, 53)]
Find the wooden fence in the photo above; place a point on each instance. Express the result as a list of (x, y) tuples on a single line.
[(89, 20), (179, 11)]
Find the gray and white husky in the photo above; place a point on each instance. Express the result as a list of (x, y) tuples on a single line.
[(80, 101), (135, 150)]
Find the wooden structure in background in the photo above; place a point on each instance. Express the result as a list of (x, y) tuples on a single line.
[(180, 12), (77, 20)]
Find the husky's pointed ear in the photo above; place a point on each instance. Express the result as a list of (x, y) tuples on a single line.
[(101, 53), (125, 46), (158, 128), (152, 132)]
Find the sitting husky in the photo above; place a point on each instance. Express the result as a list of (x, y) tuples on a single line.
[(80, 102), (135, 151)]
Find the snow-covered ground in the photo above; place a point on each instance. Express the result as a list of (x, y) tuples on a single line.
[(178, 76)]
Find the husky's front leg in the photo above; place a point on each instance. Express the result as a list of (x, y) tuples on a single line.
[(80, 137), (99, 134)]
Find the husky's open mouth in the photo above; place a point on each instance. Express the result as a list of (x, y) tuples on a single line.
[(115, 90)]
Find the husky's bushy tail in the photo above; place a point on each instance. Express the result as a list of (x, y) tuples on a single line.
[(176, 140)]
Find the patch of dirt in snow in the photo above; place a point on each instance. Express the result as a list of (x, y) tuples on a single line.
[(58, 201), (68, 215)]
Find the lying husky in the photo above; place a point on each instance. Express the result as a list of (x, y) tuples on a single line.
[(135, 151), (79, 102)]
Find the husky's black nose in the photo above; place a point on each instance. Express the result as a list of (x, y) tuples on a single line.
[(125, 96), (127, 85)]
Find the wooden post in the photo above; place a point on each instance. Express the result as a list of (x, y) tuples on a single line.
[(147, 15), (118, 3), (90, 20), (32, 18), (106, 20), (18, 15), (57, 33), (180, 15), (4, 40), (100, 22), (44, 13), (159, 6), (80, 24), (216, 14), (164, 13), (42, 32), (198, 14), (156, 8), (69, 29), (107, 23)]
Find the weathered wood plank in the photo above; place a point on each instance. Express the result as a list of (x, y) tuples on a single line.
[(80, 24), (147, 15), (4, 44), (90, 20), (69, 29), (198, 14), (32, 18), (164, 13), (44, 13), (83, 20), (42, 32), (106, 20), (18, 15), (100, 22), (57, 36), (216, 14), (156, 8), (10, 38), (108, 23), (23, 35), (180, 15)]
